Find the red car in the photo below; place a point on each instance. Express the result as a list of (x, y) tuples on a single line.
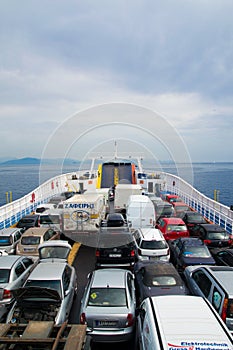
[(180, 208), (172, 228), (171, 198)]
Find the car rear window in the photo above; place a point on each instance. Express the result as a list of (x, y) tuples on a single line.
[(30, 240), (107, 297), (217, 235), (194, 252), (176, 228), (53, 284), (49, 219), (153, 244), (4, 275), (5, 240)]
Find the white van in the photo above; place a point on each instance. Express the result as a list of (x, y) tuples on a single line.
[(122, 194), (180, 322), (140, 212)]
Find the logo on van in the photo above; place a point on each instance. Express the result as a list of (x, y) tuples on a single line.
[(199, 346), (79, 205), (80, 216)]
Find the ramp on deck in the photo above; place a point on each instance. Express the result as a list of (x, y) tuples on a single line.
[(117, 172)]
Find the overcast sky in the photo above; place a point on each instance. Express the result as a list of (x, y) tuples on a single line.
[(61, 58)]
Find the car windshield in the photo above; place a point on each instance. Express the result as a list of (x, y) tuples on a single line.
[(4, 275), (217, 235), (26, 221), (181, 208), (196, 252), (30, 240), (153, 244), (53, 284), (181, 227), (107, 297), (5, 240)]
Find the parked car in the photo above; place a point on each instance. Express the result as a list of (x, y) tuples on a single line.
[(114, 220), (213, 235), (191, 219), (42, 207), (32, 237), (163, 209), (215, 284), (47, 294), (187, 251), (108, 305), (9, 237), (180, 209), (157, 278), (61, 197), (115, 248), (151, 245), (172, 228), (14, 270), (172, 198), (180, 322), (29, 221), (223, 256), (52, 218)]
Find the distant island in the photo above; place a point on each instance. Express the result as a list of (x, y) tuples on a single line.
[(37, 161)]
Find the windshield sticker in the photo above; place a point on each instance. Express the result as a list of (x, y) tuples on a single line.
[(200, 346)]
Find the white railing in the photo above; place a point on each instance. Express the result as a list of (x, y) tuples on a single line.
[(212, 210)]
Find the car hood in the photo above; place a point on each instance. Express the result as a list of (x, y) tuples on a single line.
[(27, 293)]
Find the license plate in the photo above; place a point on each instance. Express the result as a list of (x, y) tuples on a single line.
[(114, 255), (106, 323), (28, 249)]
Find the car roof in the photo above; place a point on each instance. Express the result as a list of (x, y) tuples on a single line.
[(7, 261), (212, 227), (173, 220), (109, 277), (48, 271), (223, 274), (8, 231), (160, 269), (151, 233), (37, 231), (31, 216), (187, 241)]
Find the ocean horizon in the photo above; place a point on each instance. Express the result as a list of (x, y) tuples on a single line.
[(19, 180)]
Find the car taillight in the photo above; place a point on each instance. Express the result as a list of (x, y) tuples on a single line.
[(132, 253), (97, 253), (207, 241), (168, 251), (83, 319), (130, 320), (224, 310), (7, 294)]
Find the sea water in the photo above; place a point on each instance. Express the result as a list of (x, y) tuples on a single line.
[(207, 177)]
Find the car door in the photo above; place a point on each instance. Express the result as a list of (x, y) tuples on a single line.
[(68, 285), (200, 283), (21, 272)]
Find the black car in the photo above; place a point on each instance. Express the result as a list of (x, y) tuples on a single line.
[(115, 248), (187, 251), (191, 219), (223, 257), (157, 278), (114, 220), (213, 235), (28, 221)]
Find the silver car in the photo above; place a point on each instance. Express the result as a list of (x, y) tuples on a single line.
[(14, 270), (9, 238), (50, 289), (108, 305)]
